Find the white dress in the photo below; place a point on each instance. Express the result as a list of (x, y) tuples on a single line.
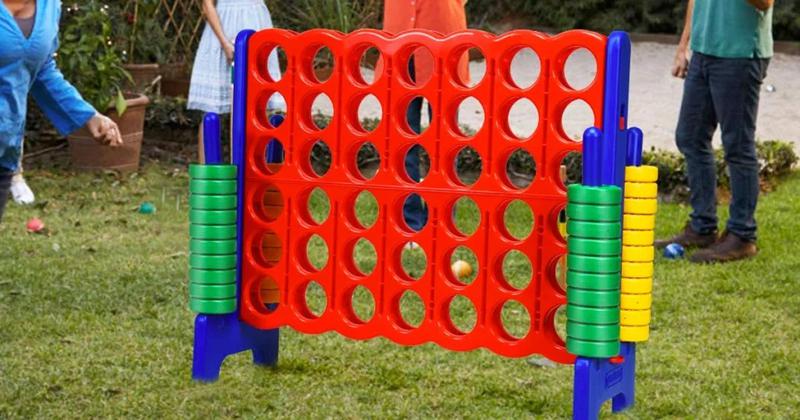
[(210, 88)]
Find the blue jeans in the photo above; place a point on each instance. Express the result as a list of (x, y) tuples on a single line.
[(724, 92), (414, 211)]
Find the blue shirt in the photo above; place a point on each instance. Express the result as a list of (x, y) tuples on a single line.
[(27, 67)]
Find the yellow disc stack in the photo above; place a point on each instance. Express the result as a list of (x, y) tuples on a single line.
[(638, 223)]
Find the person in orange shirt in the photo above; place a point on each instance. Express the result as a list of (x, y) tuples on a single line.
[(445, 17)]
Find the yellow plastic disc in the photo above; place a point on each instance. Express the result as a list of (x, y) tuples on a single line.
[(640, 206), (634, 318), (635, 302), (641, 190), (638, 253), (638, 222), (641, 174), (637, 270), (636, 286), (634, 334), (638, 237)]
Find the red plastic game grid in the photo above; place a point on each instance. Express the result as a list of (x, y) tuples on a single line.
[(276, 235)]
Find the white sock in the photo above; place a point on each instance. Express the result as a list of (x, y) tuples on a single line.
[(20, 190)]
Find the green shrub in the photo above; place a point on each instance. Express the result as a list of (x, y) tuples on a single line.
[(341, 15)]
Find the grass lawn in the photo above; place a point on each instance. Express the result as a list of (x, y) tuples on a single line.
[(94, 322)]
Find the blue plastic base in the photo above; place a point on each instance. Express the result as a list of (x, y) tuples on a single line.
[(219, 336), (598, 380)]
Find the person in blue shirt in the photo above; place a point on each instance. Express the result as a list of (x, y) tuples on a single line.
[(731, 43), (27, 68)]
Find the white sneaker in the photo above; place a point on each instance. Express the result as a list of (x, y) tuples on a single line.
[(20, 190)]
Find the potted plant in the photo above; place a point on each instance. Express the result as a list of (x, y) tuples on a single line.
[(144, 38), (89, 59)]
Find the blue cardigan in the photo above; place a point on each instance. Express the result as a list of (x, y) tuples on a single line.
[(27, 67)]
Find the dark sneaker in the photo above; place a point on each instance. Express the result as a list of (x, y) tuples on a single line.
[(688, 239), (729, 248)]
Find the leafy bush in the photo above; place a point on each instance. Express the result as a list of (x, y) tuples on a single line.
[(341, 15), (170, 112)]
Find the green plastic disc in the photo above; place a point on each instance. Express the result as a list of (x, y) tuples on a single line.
[(212, 202), (594, 230), (212, 291), (593, 298), (209, 247), (212, 276), (212, 171), (212, 231), (588, 348), (212, 217), (598, 265), (593, 281), (593, 332), (583, 194), (213, 307), (587, 315), (596, 247), (213, 187), (594, 213), (212, 262)]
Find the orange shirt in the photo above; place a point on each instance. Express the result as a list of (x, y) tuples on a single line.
[(443, 16)]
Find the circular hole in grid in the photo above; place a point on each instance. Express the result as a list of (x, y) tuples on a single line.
[(466, 216), (316, 299), (560, 323), (366, 209), (580, 69), (516, 319), (523, 119), (363, 303), (365, 257), (561, 225), (561, 273), (321, 111), (468, 165), (276, 109), (517, 269), (368, 161), (271, 203), (268, 249), (417, 163), (520, 169), (413, 260), (370, 62), (369, 113), (415, 212), (571, 169), (317, 252), (411, 308), (462, 314), (320, 158), (318, 206), (525, 68), (274, 156), (419, 114), (464, 265), (420, 58), (518, 220), (277, 64), (268, 294), (469, 117), (322, 64), (470, 67), (577, 117)]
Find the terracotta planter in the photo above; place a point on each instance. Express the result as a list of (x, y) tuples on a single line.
[(176, 78), (142, 74), (88, 155)]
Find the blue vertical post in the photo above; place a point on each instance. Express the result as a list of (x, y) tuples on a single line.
[(605, 155), (218, 336)]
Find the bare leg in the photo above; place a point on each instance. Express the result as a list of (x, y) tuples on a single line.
[(201, 157)]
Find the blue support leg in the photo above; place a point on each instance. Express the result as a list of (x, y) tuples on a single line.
[(598, 380)]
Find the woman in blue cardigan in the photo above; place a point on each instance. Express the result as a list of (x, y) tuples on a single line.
[(28, 42)]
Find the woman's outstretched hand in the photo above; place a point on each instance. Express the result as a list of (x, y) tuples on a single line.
[(104, 130)]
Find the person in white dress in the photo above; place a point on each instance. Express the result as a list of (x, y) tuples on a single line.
[(210, 88)]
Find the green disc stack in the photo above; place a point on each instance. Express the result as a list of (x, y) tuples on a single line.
[(594, 245), (212, 238)]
